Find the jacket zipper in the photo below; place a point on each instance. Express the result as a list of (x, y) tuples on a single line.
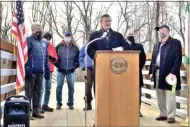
[(67, 58), (42, 55)]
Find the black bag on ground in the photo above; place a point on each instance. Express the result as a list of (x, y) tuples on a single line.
[(16, 112)]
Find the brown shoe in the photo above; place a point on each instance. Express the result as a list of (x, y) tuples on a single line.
[(159, 118), (38, 115), (171, 120)]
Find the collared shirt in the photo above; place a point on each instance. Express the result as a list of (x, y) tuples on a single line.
[(129, 42), (158, 57)]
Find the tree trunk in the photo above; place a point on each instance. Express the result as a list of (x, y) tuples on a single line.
[(157, 18)]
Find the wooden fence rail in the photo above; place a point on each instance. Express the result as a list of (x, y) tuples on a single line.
[(8, 73)]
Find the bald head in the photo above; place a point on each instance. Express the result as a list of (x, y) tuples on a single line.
[(130, 36), (130, 33)]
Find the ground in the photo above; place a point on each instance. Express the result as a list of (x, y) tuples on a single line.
[(66, 117)]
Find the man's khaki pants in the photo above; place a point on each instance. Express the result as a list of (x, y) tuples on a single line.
[(166, 100)]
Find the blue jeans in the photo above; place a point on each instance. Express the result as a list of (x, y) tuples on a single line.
[(46, 95), (70, 82)]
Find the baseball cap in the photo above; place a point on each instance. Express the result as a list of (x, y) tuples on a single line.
[(67, 33), (163, 26)]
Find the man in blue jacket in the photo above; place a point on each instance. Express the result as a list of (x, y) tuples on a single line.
[(89, 77), (35, 68), (68, 61)]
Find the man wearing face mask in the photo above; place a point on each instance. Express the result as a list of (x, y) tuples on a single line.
[(132, 45), (166, 61), (112, 41), (35, 68), (68, 61)]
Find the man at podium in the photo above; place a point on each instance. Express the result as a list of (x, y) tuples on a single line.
[(112, 40), (132, 45)]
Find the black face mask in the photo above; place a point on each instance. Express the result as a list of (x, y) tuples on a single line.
[(39, 35), (131, 38)]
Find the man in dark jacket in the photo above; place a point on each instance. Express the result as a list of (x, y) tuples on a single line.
[(166, 61), (68, 61), (132, 45), (112, 40), (35, 68)]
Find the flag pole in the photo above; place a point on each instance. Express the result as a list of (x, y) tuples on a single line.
[(187, 61), (17, 87)]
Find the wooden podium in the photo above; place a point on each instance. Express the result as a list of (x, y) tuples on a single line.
[(117, 88)]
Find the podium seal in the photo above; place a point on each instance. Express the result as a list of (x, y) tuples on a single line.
[(118, 65)]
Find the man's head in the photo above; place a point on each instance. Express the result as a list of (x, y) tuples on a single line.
[(130, 35), (105, 22), (163, 31), (67, 37), (47, 36), (37, 30)]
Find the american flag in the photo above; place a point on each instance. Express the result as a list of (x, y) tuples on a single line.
[(19, 32)]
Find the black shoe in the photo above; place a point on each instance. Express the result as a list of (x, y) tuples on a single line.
[(37, 115), (89, 107), (47, 108), (171, 120), (58, 107), (141, 114), (71, 107), (159, 118), (41, 111)]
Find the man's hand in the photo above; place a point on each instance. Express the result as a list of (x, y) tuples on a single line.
[(151, 76), (172, 76), (52, 58), (47, 75)]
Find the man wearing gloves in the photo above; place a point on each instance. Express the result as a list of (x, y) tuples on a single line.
[(68, 61), (35, 68), (44, 99), (166, 61), (89, 77)]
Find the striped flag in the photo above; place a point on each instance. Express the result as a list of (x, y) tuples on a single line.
[(19, 32)]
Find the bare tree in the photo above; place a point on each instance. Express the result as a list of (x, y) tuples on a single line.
[(1, 14), (178, 24), (39, 10), (86, 14), (6, 20)]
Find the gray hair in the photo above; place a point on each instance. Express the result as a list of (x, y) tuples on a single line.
[(35, 24)]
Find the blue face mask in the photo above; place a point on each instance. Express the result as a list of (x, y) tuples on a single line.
[(67, 39)]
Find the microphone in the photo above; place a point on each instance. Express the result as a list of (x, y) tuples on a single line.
[(86, 61), (104, 34)]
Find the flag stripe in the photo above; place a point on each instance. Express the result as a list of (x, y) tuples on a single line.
[(19, 32)]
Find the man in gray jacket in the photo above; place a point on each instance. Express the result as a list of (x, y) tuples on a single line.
[(68, 61)]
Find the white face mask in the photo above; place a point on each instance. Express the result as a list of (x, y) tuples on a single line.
[(67, 39)]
